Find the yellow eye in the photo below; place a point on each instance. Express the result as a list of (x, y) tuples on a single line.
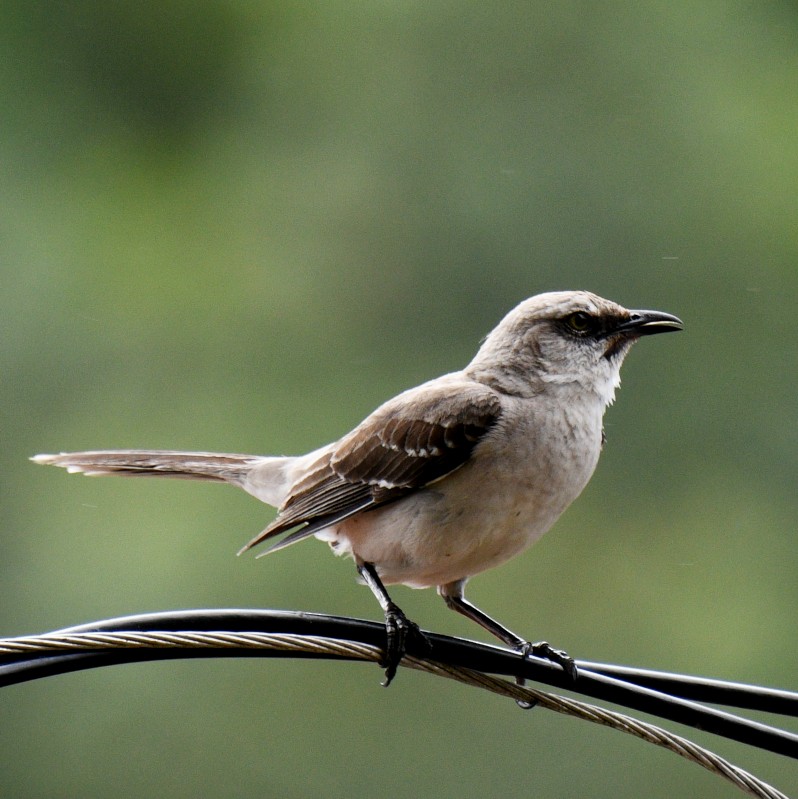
[(579, 322)]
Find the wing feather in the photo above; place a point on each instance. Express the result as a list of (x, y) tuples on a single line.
[(413, 440)]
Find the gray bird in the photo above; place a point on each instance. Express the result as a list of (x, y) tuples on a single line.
[(452, 477)]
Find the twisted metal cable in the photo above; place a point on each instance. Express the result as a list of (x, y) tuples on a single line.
[(333, 647)]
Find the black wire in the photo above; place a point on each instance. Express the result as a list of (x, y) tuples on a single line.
[(701, 689), (635, 690), (704, 689)]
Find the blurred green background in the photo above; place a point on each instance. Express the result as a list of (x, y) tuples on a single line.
[(242, 225)]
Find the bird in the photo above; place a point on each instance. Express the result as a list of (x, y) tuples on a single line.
[(450, 478)]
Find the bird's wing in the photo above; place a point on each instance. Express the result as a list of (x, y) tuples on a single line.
[(413, 440)]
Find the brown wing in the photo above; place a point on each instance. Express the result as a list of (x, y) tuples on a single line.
[(413, 440)]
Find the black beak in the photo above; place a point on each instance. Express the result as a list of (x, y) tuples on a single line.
[(646, 323)]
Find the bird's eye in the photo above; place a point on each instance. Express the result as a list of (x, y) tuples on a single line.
[(579, 322)]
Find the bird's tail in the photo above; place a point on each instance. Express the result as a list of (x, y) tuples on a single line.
[(156, 463), (268, 478)]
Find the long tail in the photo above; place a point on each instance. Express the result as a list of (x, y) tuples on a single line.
[(156, 463), (268, 478)]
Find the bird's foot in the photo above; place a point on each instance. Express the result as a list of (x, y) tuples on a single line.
[(399, 630), (543, 649)]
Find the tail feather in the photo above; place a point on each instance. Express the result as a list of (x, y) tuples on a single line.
[(155, 463)]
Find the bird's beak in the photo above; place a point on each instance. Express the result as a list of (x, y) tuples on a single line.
[(646, 323)]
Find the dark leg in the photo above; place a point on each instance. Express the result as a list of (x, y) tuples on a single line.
[(397, 626), (452, 595)]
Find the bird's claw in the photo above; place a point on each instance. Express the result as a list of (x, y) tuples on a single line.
[(398, 631), (543, 649)]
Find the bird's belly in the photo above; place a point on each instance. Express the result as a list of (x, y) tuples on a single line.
[(453, 529)]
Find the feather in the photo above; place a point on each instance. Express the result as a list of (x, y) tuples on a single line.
[(413, 440)]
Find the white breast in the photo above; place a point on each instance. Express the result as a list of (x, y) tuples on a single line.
[(515, 487)]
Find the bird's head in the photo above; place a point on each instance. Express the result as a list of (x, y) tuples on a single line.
[(568, 338)]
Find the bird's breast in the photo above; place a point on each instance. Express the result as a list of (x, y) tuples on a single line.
[(517, 483)]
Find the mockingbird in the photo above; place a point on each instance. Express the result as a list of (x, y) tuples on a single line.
[(450, 478)]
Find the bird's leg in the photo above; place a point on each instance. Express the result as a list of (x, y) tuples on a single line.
[(398, 628), (452, 595)]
